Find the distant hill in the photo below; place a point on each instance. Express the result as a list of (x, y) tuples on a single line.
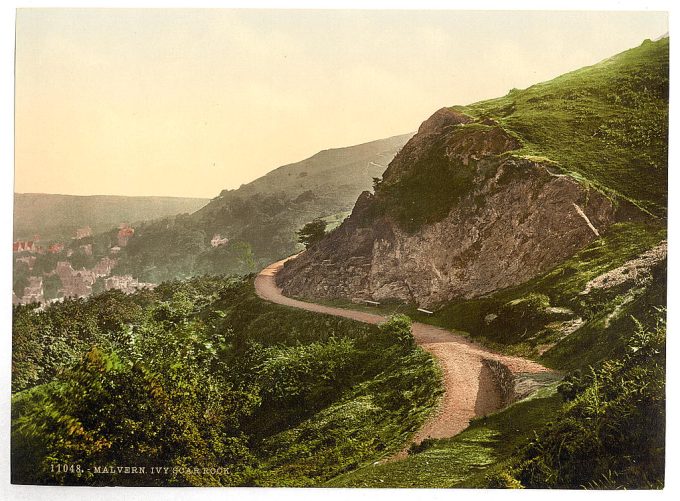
[(336, 172), (58, 216), (260, 218)]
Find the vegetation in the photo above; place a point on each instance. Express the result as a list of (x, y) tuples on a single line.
[(611, 432), (415, 199), (466, 459), (603, 428), (203, 374), (312, 232), (606, 124)]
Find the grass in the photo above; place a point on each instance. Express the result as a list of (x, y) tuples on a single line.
[(464, 460), (415, 200), (607, 333), (607, 123), (363, 425)]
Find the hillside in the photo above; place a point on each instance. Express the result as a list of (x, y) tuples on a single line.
[(260, 218), (536, 224), (490, 195), (58, 216), (606, 124), (202, 373), (347, 170)]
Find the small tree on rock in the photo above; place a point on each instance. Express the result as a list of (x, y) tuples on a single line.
[(312, 232)]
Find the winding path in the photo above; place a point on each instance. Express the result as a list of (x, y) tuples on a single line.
[(469, 387)]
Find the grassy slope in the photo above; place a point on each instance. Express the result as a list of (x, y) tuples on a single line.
[(464, 460), (607, 123)]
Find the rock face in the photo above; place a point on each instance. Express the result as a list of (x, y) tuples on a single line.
[(513, 219)]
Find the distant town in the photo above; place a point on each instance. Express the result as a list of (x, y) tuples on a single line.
[(73, 283), (45, 273)]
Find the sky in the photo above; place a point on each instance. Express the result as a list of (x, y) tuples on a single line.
[(188, 102)]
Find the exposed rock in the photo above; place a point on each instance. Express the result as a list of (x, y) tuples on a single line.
[(637, 271), (514, 222), (503, 379), (513, 387), (559, 331), (490, 318)]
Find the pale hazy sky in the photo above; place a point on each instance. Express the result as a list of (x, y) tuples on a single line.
[(188, 102)]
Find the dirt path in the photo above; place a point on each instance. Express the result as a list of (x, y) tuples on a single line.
[(469, 388)]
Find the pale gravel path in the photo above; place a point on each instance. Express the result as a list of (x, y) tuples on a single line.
[(469, 388)]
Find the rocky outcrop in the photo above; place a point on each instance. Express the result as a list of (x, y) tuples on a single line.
[(507, 219), (636, 272), (504, 380)]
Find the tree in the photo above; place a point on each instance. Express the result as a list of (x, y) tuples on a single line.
[(312, 232)]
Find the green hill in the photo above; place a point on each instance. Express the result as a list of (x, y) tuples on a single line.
[(596, 314), (606, 124), (58, 216), (202, 370)]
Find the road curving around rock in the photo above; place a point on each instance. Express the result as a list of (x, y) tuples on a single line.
[(470, 389)]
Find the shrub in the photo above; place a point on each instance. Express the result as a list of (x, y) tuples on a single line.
[(503, 480), (398, 328), (611, 431), (312, 232), (528, 311)]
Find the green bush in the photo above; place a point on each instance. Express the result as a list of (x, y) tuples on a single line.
[(204, 373), (503, 480), (611, 431), (398, 328)]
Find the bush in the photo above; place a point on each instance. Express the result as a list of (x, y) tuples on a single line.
[(611, 431), (203, 373), (398, 328), (503, 480), (312, 232), (528, 311)]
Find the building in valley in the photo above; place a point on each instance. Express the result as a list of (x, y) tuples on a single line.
[(126, 284), (83, 232)]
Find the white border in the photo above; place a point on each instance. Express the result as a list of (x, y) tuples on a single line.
[(6, 185)]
